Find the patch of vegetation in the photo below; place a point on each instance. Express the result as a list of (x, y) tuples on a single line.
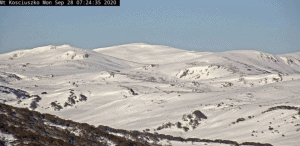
[(33, 128), (20, 94), (167, 125), (55, 106), (283, 107)]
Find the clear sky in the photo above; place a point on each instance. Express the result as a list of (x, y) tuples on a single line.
[(271, 26)]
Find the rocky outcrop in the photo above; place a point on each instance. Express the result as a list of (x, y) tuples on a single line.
[(20, 94)]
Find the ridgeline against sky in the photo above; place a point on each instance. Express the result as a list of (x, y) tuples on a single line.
[(212, 26)]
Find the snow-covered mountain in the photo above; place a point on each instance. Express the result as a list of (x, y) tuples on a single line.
[(61, 60), (243, 96)]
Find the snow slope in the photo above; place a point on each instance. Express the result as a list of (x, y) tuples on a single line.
[(60, 60), (149, 54), (154, 88)]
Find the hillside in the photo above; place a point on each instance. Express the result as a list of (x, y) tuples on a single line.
[(241, 96), (19, 126), (58, 60)]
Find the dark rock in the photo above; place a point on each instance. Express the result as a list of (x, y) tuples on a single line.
[(132, 92), (240, 119), (199, 115), (186, 129), (56, 107), (82, 97)]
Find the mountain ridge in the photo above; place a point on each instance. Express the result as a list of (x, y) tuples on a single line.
[(158, 91)]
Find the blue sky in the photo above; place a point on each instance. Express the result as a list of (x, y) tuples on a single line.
[(271, 26)]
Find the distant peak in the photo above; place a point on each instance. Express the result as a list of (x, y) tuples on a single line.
[(244, 51), (64, 46), (138, 44), (51, 47), (145, 45)]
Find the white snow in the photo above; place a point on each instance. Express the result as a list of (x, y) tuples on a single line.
[(140, 86), (8, 138)]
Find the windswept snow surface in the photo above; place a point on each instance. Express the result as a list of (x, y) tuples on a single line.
[(148, 87)]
